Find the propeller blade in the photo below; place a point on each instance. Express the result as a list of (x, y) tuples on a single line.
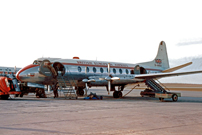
[(115, 78), (108, 69), (86, 86), (109, 87)]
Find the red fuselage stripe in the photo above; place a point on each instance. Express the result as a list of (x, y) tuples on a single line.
[(88, 65)]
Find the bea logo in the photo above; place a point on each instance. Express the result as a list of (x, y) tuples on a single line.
[(158, 61)]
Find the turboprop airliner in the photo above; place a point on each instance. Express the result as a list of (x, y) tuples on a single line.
[(86, 73)]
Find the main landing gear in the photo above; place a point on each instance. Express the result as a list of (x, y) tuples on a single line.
[(117, 94)]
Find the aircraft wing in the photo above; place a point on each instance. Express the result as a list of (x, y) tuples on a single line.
[(160, 75)]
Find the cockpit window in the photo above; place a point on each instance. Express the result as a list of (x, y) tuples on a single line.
[(36, 62)]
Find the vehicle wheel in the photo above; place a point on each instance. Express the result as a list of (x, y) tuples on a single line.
[(161, 99), (175, 97), (4, 97)]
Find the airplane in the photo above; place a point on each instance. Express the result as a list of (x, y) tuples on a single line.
[(87, 73), (8, 70)]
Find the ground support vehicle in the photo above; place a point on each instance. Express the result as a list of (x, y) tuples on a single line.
[(167, 95), (157, 91), (8, 86)]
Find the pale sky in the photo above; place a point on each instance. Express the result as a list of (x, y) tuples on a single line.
[(107, 30)]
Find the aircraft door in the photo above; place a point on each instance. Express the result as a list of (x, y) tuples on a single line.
[(59, 67), (137, 69), (46, 69), (140, 70)]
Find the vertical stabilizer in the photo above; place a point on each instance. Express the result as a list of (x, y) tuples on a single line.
[(161, 60), (162, 56)]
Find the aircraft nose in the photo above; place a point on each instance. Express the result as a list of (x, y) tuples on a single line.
[(18, 75), (22, 73)]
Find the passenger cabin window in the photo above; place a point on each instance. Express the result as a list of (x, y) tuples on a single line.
[(108, 70), (79, 69), (101, 70), (114, 70), (87, 69), (94, 70), (120, 71), (127, 71)]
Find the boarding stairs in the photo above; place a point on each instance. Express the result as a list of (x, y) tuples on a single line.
[(157, 91), (66, 87), (155, 86)]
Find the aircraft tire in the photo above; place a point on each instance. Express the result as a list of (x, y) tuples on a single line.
[(80, 91), (21, 95), (175, 98), (117, 94)]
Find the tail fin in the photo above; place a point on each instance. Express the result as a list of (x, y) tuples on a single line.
[(161, 59)]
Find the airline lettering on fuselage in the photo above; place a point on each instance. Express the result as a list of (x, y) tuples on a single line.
[(100, 64)]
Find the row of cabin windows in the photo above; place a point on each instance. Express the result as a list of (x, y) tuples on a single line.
[(102, 70), (5, 69)]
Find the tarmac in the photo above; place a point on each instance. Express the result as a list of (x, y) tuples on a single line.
[(131, 115)]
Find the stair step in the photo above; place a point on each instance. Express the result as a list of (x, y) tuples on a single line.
[(154, 85), (66, 87)]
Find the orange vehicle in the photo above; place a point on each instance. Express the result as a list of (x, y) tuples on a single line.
[(8, 87)]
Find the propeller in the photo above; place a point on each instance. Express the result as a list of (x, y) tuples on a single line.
[(109, 78), (86, 81)]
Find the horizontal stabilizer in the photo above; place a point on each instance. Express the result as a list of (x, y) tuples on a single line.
[(176, 68)]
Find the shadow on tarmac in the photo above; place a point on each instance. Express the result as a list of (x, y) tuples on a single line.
[(109, 98)]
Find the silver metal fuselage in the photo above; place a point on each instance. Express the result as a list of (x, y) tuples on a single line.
[(77, 70)]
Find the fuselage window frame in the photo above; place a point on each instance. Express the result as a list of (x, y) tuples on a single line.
[(120, 71), (79, 69), (114, 70), (94, 70), (87, 69), (127, 71), (101, 70)]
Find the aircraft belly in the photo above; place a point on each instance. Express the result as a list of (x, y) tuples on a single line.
[(117, 82)]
